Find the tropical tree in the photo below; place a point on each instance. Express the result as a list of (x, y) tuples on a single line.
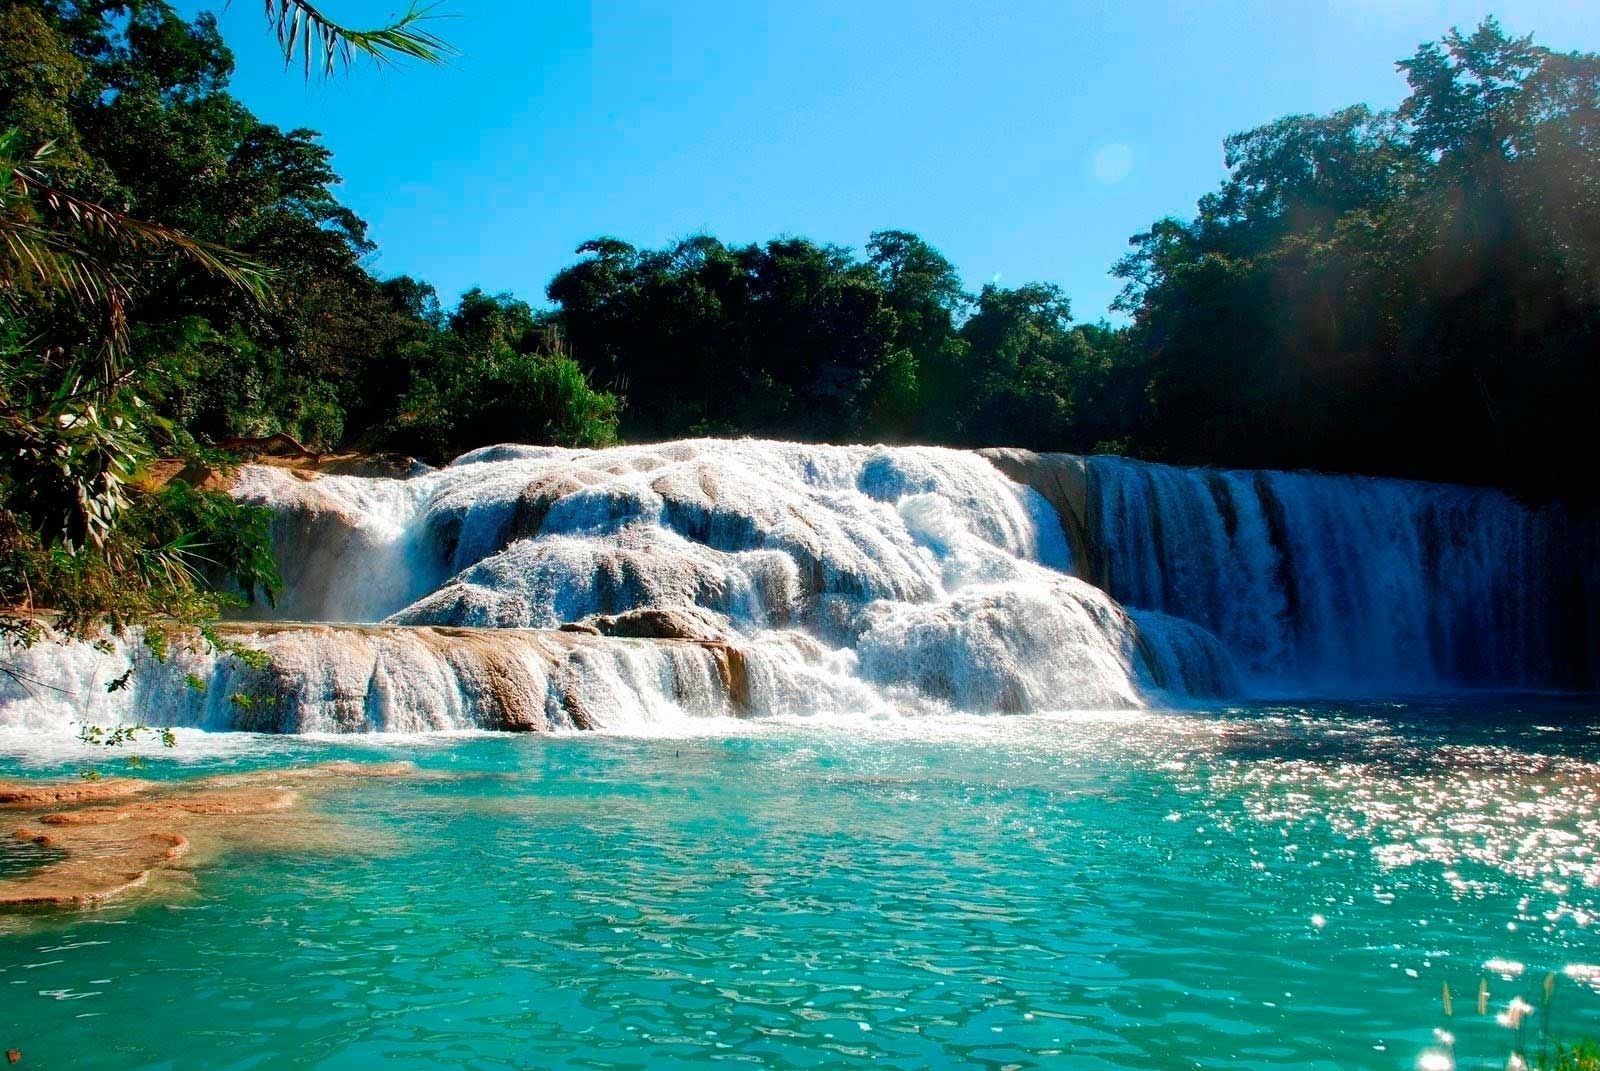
[(89, 534), (1413, 292)]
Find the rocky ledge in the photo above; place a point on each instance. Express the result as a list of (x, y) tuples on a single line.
[(102, 839)]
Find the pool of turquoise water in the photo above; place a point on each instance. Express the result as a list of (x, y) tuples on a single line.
[(1277, 886)]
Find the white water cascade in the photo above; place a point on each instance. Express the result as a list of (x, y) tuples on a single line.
[(1339, 584), (533, 588), (701, 578)]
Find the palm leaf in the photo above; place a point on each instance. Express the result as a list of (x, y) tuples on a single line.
[(34, 256), (58, 241), (118, 228), (319, 43)]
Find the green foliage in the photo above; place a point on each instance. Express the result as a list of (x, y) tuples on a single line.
[(494, 372), (86, 537), (90, 536), (1582, 1056), (795, 339), (62, 250), (1518, 1034), (318, 416), (1415, 292), (122, 735), (140, 209), (117, 736), (327, 46)]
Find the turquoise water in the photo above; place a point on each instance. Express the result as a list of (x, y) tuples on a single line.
[(1268, 887)]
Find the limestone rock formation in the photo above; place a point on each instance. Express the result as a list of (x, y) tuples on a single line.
[(113, 835)]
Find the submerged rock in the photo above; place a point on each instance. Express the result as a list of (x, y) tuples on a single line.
[(15, 794), (118, 833)]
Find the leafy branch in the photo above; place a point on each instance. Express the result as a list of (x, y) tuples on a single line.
[(54, 240), (324, 45), (119, 735)]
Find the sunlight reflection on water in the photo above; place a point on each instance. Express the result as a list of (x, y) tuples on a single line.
[(1266, 887)]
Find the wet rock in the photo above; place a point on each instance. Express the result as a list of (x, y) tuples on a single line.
[(734, 673), (20, 794), (1063, 480), (534, 503), (112, 844), (98, 867), (690, 623)]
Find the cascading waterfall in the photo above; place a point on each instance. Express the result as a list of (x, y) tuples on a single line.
[(921, 573), (1335, 584), (697, 579), (534, 588), (353, 678), (348, 547)]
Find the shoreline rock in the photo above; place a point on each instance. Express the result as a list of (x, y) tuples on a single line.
[(116, 834)]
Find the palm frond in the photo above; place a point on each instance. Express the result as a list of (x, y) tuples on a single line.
[(323, 45), (118, 228), (35, 257), (53, 240)]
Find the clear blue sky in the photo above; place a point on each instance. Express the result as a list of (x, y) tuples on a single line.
[(1024, 140)]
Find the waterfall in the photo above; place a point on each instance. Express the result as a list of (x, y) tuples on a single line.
[(536, 588), (348, 547), (1336, 584), (531, 588), (365, 678)]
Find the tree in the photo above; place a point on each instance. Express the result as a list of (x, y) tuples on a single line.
[(128, 102), (494, 372), (1410, 292)]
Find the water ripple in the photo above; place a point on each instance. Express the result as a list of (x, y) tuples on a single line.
[(1274, 887)]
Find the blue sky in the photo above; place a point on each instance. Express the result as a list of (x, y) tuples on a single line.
[(1027, 141)]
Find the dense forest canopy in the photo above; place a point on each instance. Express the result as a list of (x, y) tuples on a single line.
[(1414, 292), (813, 342), (1410, 292)]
